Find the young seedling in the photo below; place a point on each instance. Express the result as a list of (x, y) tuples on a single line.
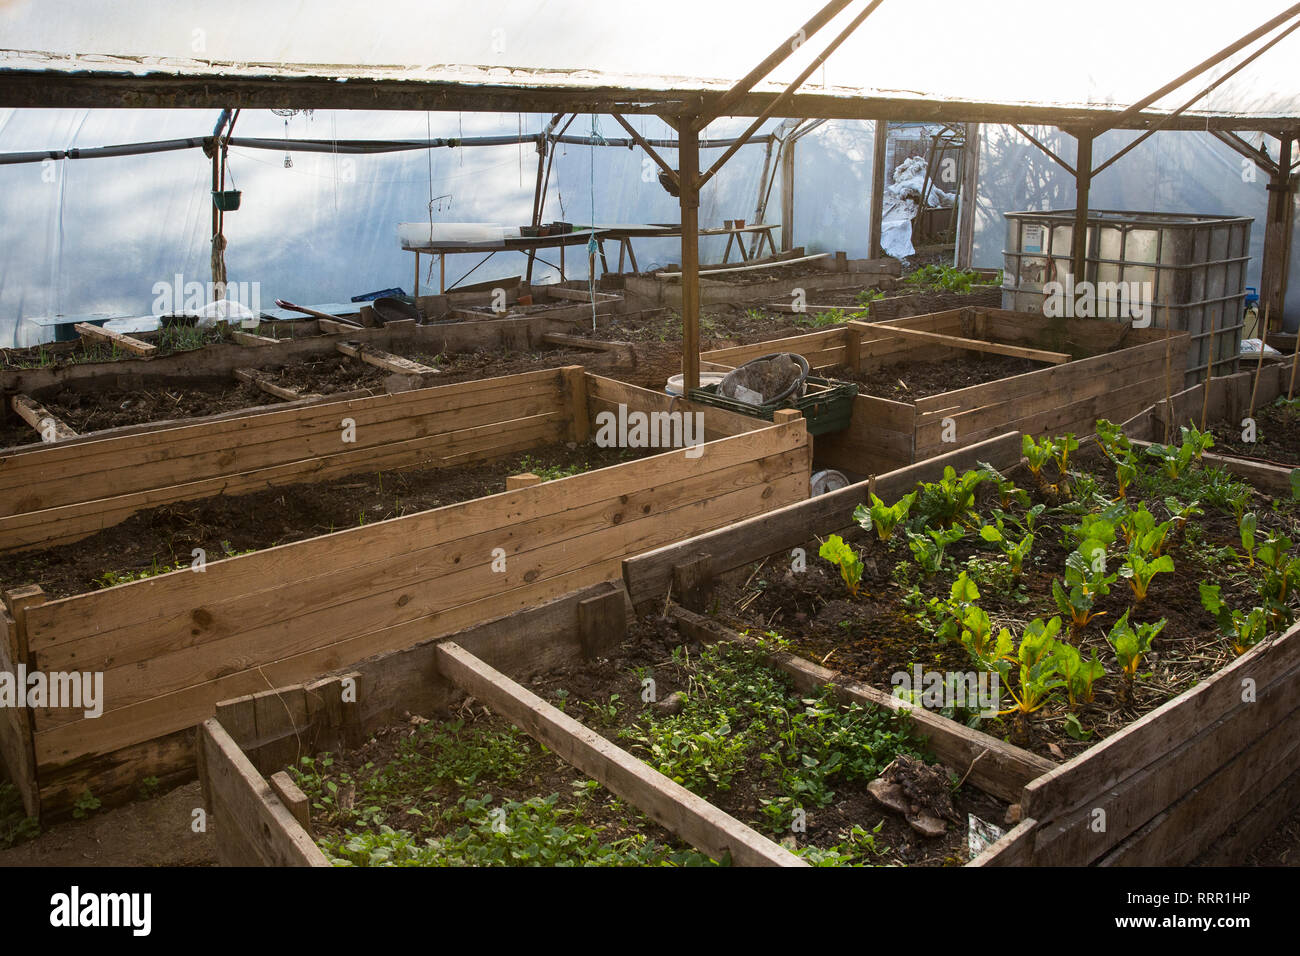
[(1142, 534), (1015, 551), (1037, 455), (928, 548), (1182, 513), (1086, 580), (1112, 439), (1080, 673), (842, 555), (1243, 630), (1035, 668), (1139, 571), (1062, 446), (1130, 644), (882, 518), (949, 500)]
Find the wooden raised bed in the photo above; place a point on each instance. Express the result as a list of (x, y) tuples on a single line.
[(260, 821), (171, 646), (1114, 372), (1202, 777), (745, 286)]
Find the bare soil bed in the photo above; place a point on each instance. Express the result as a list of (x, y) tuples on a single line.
[(162, 539), (89, 411), (730, 728), (909, 381), (1277, 435), (890, 626)]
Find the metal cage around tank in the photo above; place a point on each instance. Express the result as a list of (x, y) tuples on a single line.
[(1190, 270)]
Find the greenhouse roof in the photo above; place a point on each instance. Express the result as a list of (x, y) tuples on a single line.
[(1023, 60)]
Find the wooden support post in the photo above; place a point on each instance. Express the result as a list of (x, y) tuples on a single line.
[(50, 427), (109, 337), (1277, 230), (693, 583), (693, 819), (1259, 366), (602, 623), (575, 403), (689, 174), (1082, 187), (874, 230), (787, 191), (525, 480), (967, 197), (292, 797), (17, 731)]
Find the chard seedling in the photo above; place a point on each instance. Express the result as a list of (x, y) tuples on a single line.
[(1130, 644), (1037, 455), (928, 548), (1015, 551), (842, 555), (882, 518), (1086, 580), (1080, 672), (1035, 668), (1243, 630), (1181, 513), (1062, 446), (1139, 571), (1112, 439)]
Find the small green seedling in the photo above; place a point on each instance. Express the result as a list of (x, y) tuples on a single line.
[(882, 518), (1139, 572), (928, 548), (837, 552), (1080, 673), (1037, 455), (1132, 643), (1015, 551), (1243, 630)]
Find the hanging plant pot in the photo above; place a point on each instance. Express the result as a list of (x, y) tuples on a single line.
[(227, 200)]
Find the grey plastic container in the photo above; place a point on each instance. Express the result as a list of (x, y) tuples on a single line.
[(1195, 264)]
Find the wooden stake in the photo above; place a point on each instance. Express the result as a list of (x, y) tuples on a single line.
[(1169, 393), (1295, 359), (1209, 375), (1259, 367)]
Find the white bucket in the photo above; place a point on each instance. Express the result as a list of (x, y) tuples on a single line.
[(674, 386)]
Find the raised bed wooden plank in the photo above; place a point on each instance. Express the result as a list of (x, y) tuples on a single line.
[(1015, 848), (1232, 847), (1166, 778), (606, 395), (16, 748), (973, 345), (108, 337), (385, 360), (669, 804), (1106, 764), (242, 802), (1189, 826), (252, 339), (46, 423), (648, 575), (263, 382)]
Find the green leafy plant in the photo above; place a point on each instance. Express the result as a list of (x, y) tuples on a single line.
[(1139, 571), (1181, 513), (1037, 455), (1244, 630), (950, 500), (842, 555), (86, 804), (1034, 669), (1130, 645), (929, 547), (1015, 551), (1080, 673), (1086, 580), (882, 518)]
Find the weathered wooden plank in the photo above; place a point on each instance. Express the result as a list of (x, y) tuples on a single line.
[(243, 803), (46, 423), (648, 575), (669, 804), (108, 337), (16, 734), (262, 381), (1104, 765), (972, 345), (1015, 848), (385, 360)]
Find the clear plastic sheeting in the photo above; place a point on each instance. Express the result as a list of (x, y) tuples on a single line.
[(112, 236), (1108, 54), (1175, 172)]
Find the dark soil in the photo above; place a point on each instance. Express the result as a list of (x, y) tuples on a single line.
[(874, 636), (1277, 437), (648, 651), (329, 376), (164, 537), (85, 411), (14, 431), (909, 381)]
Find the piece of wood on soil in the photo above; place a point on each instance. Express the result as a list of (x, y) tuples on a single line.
[(250, 338), (385, 360), (261, 381), (108, 337), (975, 345), (669, 804), (40, 418)]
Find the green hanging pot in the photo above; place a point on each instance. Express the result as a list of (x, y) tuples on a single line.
[(227, 200)]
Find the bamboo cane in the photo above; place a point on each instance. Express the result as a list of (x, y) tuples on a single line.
[(1295, 359), (1169, 388), (1259, 367), (1209, 376)]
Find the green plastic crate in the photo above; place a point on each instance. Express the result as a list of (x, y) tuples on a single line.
[(827, 406)]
